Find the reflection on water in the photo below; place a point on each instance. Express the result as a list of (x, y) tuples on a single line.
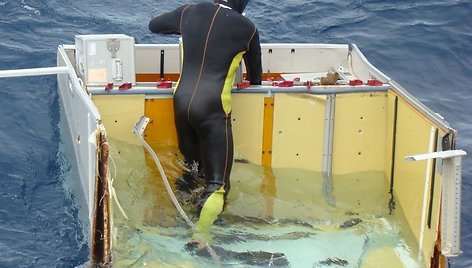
[(275, 217)]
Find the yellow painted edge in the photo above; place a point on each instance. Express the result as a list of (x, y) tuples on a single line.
[(268, 190), (267, 131), (161, 128)]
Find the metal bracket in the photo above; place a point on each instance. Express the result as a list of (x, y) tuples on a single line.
[(328, 139), (141, 125), (328, 135), (113, 45), (451, 198), (117, 70)]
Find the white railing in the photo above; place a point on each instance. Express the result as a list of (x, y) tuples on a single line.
[(33, 72), (83, 120)]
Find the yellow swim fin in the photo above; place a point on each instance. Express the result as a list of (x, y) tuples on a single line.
[(211, 209)]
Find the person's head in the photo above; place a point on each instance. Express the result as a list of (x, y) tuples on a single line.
[(238, 5)]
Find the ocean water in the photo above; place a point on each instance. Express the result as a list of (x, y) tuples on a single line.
[(426, 46)]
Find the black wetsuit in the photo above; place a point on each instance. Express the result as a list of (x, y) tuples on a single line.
[(215, 38)]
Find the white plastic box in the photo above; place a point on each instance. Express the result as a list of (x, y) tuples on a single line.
[(105, 58)]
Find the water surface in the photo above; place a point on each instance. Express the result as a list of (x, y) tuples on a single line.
[(275, 217)]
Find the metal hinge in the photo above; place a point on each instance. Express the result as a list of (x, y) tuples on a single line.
[(113, 45)]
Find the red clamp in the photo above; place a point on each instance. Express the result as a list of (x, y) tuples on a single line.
[(163, 83), (283, 84), (356, 82), (109, 87), (374, 82), (126, 86), (243, 85), (308, 84)]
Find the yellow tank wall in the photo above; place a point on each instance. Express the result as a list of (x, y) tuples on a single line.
[(119, 114), (161, 127), (248, 120), (298, 131), (360, 132), (363, 124), (415, 135)]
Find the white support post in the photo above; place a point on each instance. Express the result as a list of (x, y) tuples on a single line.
[(451, 198), (328, 135), (328, 139)]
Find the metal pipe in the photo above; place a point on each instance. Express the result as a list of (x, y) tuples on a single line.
[(253, 89), (33, 72)]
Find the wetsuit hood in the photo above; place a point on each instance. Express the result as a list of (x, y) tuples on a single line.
[(238, 5)]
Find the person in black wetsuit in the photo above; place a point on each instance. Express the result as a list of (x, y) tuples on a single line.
[(215, 37)]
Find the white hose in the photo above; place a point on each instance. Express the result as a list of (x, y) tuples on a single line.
[(137, 131)]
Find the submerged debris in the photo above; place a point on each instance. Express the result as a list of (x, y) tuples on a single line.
[(292, 236), (249, 257), (350, 223), (241, 160), (297, 222), (351, 213), (263, 258), (333, 261), (238, 237), (251, 222)]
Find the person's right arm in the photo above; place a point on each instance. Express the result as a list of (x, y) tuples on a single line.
[(252, 59), (168, 23)]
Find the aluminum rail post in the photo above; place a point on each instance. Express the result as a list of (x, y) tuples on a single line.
[(451, 198)]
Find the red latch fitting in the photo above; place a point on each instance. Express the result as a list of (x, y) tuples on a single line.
[(308, 84), (163, 83), (243, 85), (355, 82), (125, 86), (374, 82), (283, 84), (109, 87)]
